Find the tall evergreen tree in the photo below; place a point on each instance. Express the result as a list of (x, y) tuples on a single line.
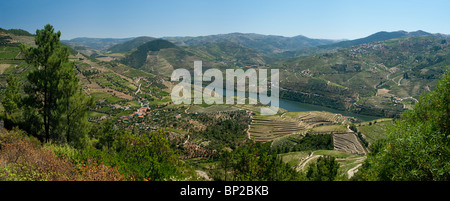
[(54, 95), (11, 99), (72, 108)]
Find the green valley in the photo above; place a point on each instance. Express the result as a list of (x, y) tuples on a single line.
[(111, 116)]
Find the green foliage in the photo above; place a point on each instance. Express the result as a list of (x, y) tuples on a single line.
[(256, 162), (315, 142), (326, 98), (229, 54), (19, 32), (149, 157), (261, 43), (325, 169), (405, 67), (49, 59), (138, 57), (225, 133), (54, 97), (12, 98), (131, 44), (380, 36), (145, 157), (23, 159), (90, 72), (308, 142), (417, 148)]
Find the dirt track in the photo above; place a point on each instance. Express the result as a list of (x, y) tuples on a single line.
[(302, 164)]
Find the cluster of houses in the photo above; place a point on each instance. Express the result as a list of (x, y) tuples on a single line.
[(140, 114), (306, 73), (396, 99)]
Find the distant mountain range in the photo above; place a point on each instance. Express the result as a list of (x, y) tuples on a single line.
[(280, 46), (380, 36), (95, 43), (376, 37), (258, 42)]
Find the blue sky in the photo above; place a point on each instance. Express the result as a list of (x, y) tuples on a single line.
[(328, 19)]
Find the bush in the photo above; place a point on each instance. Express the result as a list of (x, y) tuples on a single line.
[(325, 169), (418, 146), (256, 162), (94, 171), (21, 160)]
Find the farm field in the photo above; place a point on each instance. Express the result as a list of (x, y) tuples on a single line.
[(267, 128), (287, 131), (374, 130), (348, 142)]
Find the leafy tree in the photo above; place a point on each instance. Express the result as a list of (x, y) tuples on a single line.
[(417, 147), (257, 162), (325, 169), (149, 157)]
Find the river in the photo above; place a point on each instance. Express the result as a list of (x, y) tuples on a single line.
[(294, 106)]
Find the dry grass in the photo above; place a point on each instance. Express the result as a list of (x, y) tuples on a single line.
[(3, 67)]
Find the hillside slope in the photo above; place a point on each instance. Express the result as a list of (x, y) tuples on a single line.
[(129, 45), (387, 75), (257, 42), (162, 57)]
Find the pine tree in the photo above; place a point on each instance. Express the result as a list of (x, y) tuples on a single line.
[(12, 97), (54, 95)]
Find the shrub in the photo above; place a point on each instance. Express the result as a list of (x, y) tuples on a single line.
[(325, 169), (21, 160), (93, 171)]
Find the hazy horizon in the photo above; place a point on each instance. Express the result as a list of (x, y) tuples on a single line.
[(322, 19), (343, 39)]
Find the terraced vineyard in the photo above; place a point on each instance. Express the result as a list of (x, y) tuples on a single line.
[(266, 129), (270, 128), (284, 128), (347, 142)]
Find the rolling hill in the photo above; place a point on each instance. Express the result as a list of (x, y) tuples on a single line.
[(95, 43), (111, 81), (161, 56), (381, 74), (11, 60), (129, 45), (379, 36), (376, 37), (379, 78), (261, 43), (93, 46), (138, 58)]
